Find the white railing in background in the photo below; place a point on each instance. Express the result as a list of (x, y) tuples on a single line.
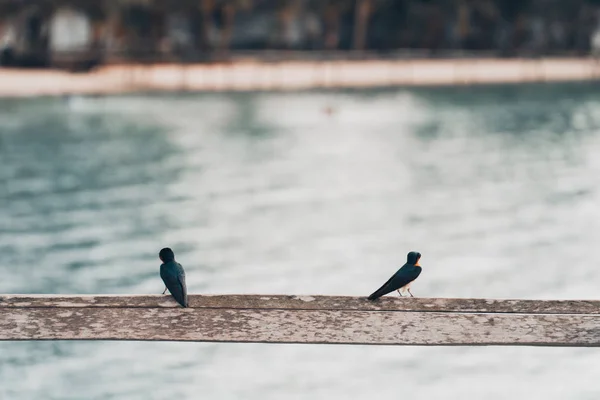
[(251, 75)]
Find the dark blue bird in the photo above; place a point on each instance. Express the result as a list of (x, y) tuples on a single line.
[(402, 278), (173, 276)]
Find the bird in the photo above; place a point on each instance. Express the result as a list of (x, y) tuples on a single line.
[(402, 278), (173, 276)]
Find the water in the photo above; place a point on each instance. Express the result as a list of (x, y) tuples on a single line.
[(498, 188)]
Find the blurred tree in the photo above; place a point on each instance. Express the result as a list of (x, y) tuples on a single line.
[(361, 23), (332, 11), (227, 10)]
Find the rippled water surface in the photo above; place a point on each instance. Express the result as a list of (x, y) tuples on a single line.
[(498, 188)]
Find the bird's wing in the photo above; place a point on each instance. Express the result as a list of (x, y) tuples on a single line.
[(180, 269), (386, 284), (178, 291), (163, 273), (417, 272), (183, 288), (171, 282), (172, 278), (386, 287), (405, 276), (166, 276)]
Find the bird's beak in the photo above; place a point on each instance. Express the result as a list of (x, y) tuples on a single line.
[(417, 263)]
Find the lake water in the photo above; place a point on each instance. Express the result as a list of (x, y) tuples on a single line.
[(497, 187)]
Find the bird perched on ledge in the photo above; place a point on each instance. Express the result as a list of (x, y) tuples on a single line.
[(402, 278), (173, 276)]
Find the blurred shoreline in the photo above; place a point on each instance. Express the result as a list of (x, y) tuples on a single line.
[(253, 75)]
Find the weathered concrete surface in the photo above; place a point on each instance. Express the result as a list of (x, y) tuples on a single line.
[(301, 319), (295, 75), (286, 302)]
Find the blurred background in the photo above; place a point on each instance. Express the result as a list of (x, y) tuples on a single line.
[(299, 192), (83, 33)]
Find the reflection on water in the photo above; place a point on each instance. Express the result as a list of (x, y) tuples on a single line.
[(498, 188)]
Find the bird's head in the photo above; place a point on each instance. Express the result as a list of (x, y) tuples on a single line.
[(166, 255), (413, 257)]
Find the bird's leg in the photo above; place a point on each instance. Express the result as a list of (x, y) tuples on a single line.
[(411, 295), (165, 291), (399, 293)]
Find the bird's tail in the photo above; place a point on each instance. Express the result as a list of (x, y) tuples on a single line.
[(183, 302), (378, 293), (181, 298)]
